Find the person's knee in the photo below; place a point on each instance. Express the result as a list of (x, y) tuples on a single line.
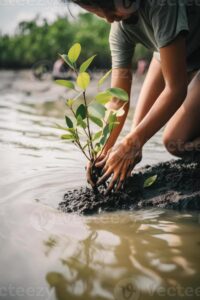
[(173, 146)]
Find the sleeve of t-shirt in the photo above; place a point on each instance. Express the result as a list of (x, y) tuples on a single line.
[(121, 48), (168, 19)]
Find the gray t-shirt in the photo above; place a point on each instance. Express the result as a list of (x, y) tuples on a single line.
[(159, 23)]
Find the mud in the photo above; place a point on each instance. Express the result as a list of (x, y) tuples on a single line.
[(177, 187)]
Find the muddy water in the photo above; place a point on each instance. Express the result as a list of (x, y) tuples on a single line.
[(44, 254)]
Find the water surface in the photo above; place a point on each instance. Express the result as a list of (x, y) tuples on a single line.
[(45, 254)]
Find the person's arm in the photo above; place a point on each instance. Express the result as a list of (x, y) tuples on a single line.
[(120, 161), (173, 64), (121, 78), (151, 89)]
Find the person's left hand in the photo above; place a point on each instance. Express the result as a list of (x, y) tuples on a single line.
[(119, 162)]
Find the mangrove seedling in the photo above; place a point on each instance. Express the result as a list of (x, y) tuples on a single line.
[(89, 122)]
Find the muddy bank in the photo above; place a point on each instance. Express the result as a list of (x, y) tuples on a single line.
[(177, 187)]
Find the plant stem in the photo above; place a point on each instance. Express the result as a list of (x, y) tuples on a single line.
[(90, 145), (81, 148), (88, 127), (84, 131), (106, 123)]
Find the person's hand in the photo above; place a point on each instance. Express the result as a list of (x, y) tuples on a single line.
[(119, 162), (89, 168), (89, 174)]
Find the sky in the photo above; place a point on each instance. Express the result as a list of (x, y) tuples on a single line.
[(14, 11)]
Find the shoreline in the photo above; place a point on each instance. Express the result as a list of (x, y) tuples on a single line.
[(177, 187)]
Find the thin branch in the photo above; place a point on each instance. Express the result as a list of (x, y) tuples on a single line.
[(84, 131), (88, 126)]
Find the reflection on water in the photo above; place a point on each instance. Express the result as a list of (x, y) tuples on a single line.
[(147, 250), (45, 254)]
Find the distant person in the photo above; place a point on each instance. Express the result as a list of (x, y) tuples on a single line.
[(171, 91), (142, 65), (60, 71)]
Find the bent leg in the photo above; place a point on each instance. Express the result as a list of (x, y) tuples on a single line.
[(182, 133)]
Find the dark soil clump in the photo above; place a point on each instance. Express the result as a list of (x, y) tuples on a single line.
[(177, 187)]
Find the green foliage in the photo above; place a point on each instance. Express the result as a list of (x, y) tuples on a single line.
[(96, 120), (118, 93), (81, 111), (66, 83), (101, 81), (68, 137), (83, 80), (89, 117), (37, 40), (69, 122), (67, 61), (74, 53), (85, 65), (97, 110), (150, 181), (103, 97)]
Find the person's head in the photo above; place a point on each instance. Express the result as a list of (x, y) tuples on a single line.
[(111, 10)]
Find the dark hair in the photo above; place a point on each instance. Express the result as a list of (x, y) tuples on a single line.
[(110, 5), (104, 4)]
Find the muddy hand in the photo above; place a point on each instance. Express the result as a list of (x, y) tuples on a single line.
[(119, 163), (89, 174), (93, 171)]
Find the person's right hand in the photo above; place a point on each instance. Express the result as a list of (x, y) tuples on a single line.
[(101, 161), (89, 167)]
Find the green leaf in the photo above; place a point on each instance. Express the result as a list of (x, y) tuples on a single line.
[(83, 80), (86, 145), (70, 102), (74, 52), (68, 137), (120, 112), (112, 121), (103, 79), (150, 181), (103, 97), (85, 65), (112, 117), (98, 148), (66, 83), (106, 132), (96, 121), (97, 110), (97, 135), (60, 127), (119, 93), (71, 130), (66, 60), (81, 110), (80, 122), (113, 125), (69, 122)]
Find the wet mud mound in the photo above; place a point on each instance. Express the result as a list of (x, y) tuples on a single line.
[(177, 187)]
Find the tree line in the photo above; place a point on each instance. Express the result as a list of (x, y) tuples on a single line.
[(38, 40)]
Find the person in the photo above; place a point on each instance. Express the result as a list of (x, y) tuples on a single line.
[(171, 91)]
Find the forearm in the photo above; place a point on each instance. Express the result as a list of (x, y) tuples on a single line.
[(162, 110), (151, 89), (174, 70), (121, 78)]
